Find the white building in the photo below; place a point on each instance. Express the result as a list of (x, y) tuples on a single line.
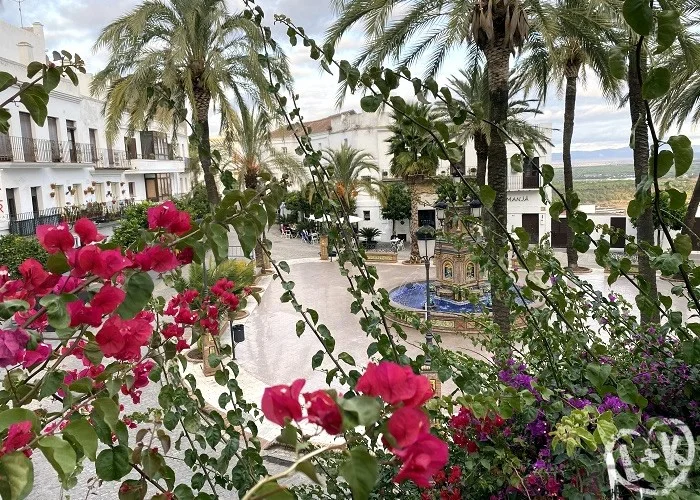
[(68, 162), (369, 132)]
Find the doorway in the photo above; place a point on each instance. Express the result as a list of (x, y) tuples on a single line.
[(25, 123), (531, 224), (619, 223), (70, 129), (53, 137), (558, 236)]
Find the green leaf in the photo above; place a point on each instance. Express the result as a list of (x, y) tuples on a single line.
[(283, 266), (547, 173), (536, 283), (109, 411), (301, 326), (52, 381), (683, 244), (668, 27), (556, 209), (690, 351), (638, 14), (273, 491), (657, 83), (4, 120), (360, 410), (628, 393), (9, 307), (113, 463), (52, 79), (360, 471), (634, 208), (487, 195), (60, 455), (682, 151), (664, 162), (139, 288), (6, 81), (516, 163), (133, 489), (81, 433), (370, 103), (16, 415), (317, 359), (597, 374), (219, 237), (676, 198), (57, 263), (35, 100), (18, 473), (33, 68), (307, 468), (616, 62), (345, 357)]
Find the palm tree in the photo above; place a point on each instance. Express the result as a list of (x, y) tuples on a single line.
[(575, 35), (349, 170), (471, 90), (414, 157), (177, 54)]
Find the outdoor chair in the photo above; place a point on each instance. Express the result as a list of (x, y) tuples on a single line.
[(314, 238)]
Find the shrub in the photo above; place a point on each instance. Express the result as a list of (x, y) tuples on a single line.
[(15, 249), (195, 202), (240, 271), (135, 219)]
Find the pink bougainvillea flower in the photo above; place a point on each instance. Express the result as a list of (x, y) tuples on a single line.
[(171, 330), (55, 239), (84, 260), (422, 460), (12, 345), (81, 314), (181, 345), (394, 384), (39, 355), (66, 284), (323, 411), (110, 263), (108, 298), (19, 435), (281, 402), (87, 231), (185, 255), (156, 258), (35, 278), (167, 216), (406, 425), (123, 338)]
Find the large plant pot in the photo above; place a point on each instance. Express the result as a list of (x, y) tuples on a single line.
[(194, 355), (240, 315)]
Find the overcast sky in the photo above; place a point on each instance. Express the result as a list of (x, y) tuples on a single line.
[(73, 25)]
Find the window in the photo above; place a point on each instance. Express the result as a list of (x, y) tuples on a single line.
[(93, 144), (154, 146), (35, 190), (78, 194), (70, 130), (284, 150), (130, 146), (158, 186), (53, 137), (365, 213), (11, 204), (132, 190), (447, 270), (28, 150), (471, 271)]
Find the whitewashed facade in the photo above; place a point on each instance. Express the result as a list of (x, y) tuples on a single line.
[(68, 162), (370, 131)]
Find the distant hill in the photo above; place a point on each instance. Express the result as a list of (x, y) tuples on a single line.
[(616, 155)]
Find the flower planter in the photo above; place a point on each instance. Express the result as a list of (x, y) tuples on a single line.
[(240, 315), (194, 355)]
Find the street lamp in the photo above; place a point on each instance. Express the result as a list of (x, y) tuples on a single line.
[(426, 249), (475, 205), (237, 336), (440, 208)]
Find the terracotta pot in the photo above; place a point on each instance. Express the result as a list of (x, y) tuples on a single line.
[(194, 355)]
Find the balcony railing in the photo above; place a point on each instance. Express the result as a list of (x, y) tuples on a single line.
[(110, 158), (25, 224)]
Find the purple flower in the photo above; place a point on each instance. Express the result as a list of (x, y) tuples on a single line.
[(613, 403), (612, 297), (539, 464), (538, 427), (579, 403)]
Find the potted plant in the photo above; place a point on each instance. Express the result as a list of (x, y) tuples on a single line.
[(52, 194), (122, 183), (123, 191), (53, 185), (85, 191), (369, 234)]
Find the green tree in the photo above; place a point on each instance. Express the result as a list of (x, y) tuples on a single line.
[(429, 29), (166, 57), (471, 89), (350, 171), (14, 249), (397, 205), (574, 35), (414, 157), (134, 221)]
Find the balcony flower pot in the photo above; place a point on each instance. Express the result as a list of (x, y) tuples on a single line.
[(85, 191), (122, 183), (52, 194), (53, 185), (94, 183)]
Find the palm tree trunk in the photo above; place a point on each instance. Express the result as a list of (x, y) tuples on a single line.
[(689, 221), (481, 146), (413, 224), (202, 99), (569, 109), (497, 63), (645, 222)]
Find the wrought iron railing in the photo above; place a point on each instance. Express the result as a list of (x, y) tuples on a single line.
[(25, 224), (110, 158), (29, 150)]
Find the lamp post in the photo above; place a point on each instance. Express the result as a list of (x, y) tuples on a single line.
[(440, 208), (426, 249), (237, 336), (475, 205)]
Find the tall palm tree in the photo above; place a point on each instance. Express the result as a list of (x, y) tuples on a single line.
[(575, 35), (471, 90), (249, 151), (426, 28), (350, 171), (414, 157), (189, 53)]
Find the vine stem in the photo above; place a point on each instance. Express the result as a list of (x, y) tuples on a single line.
[(147, 477), (250, 494)]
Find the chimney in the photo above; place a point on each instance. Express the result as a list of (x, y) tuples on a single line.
[(38, 29), (26, 52)]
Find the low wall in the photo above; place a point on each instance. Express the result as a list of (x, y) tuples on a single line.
[(390, 257), (466, 324)]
